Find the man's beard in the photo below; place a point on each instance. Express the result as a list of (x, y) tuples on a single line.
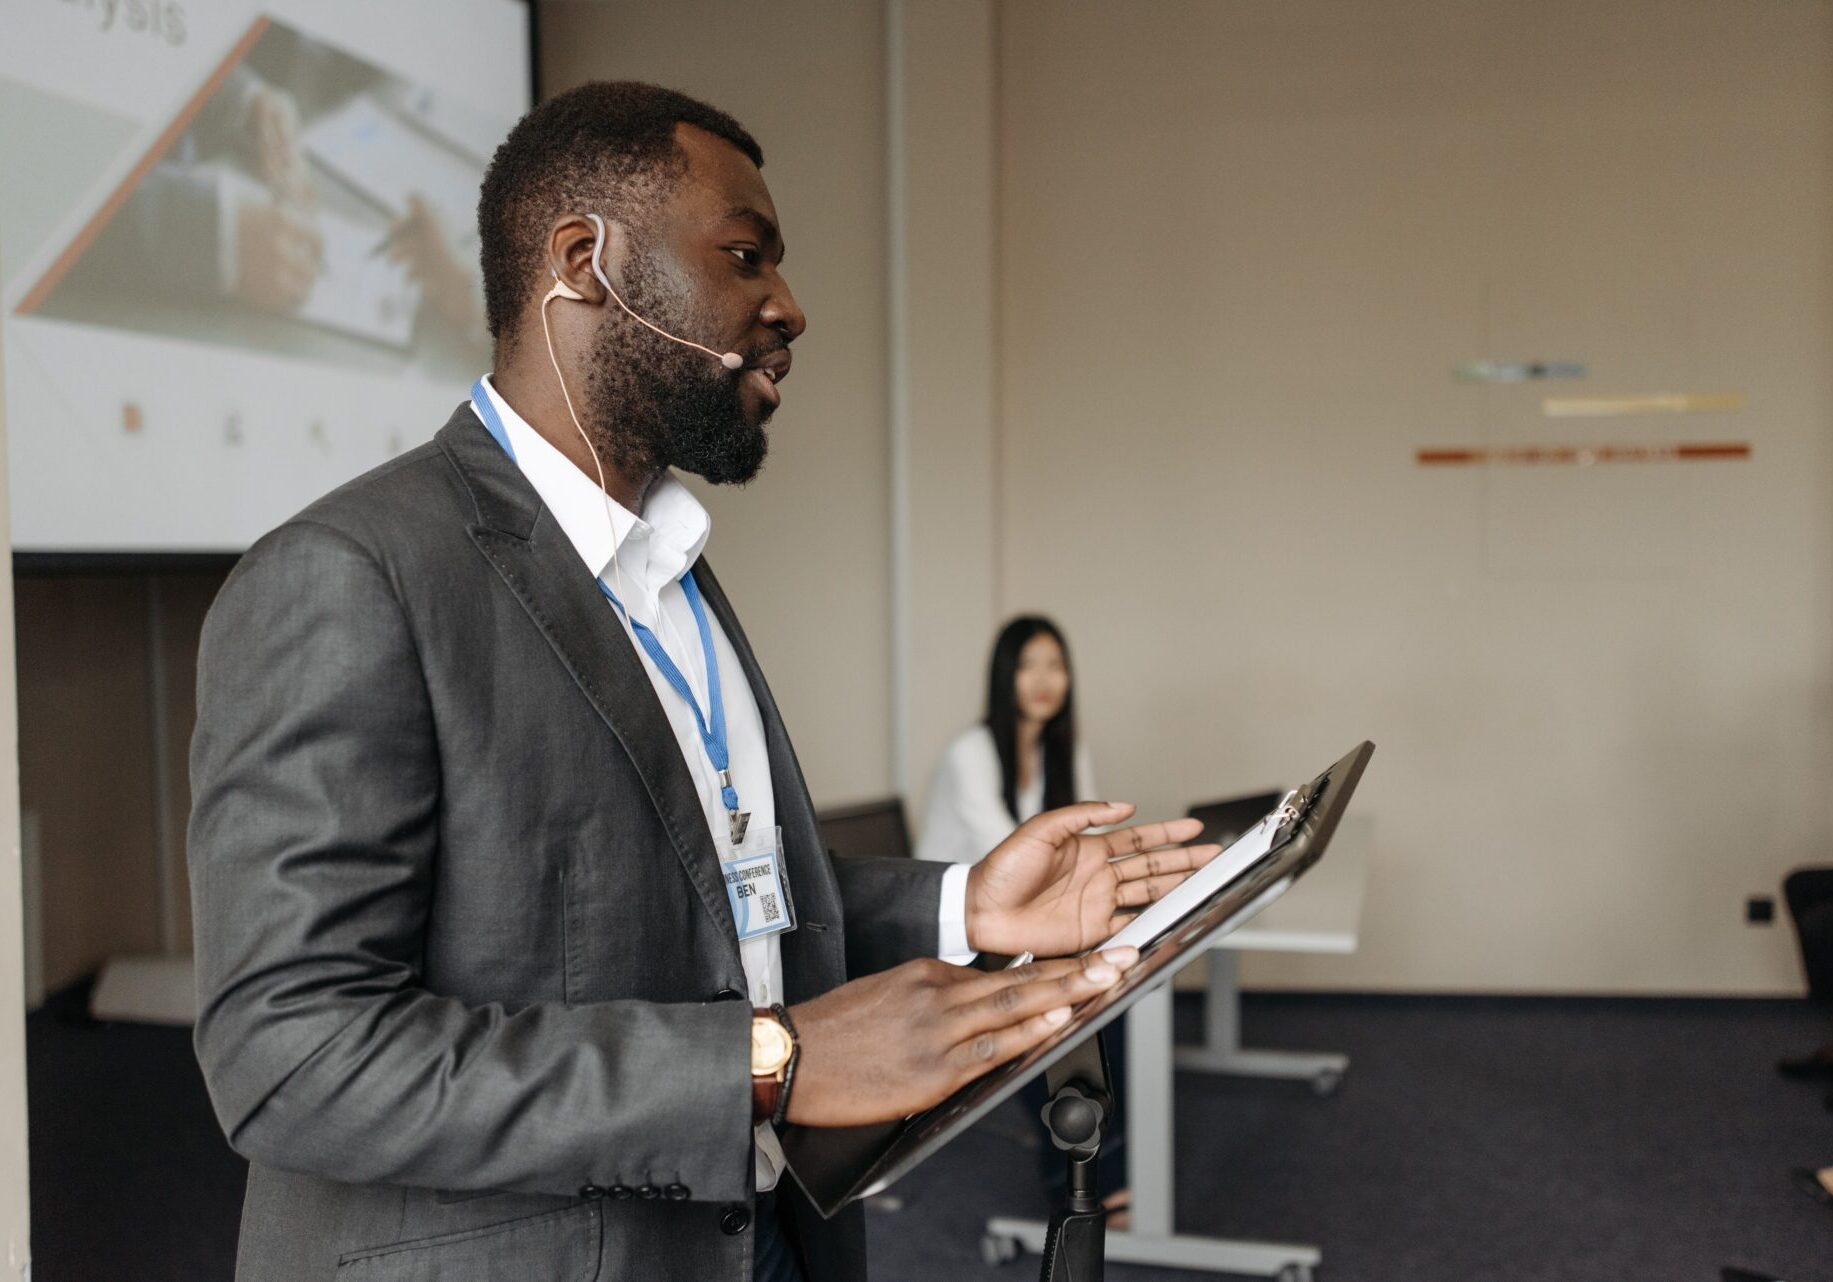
[(652, 403)]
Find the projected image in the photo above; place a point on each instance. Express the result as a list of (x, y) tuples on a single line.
[(303, 202), (238, 253)]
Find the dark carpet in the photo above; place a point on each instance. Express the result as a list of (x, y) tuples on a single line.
[(1474, 1138)]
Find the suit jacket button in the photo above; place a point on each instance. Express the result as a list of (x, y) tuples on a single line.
[(648, 1191), (727, 995), (591, 1192), (621, 1192), (676, 1192), (735, 1221)]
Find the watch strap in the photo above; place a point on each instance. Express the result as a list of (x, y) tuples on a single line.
[(780, 1113), (765, 1094)]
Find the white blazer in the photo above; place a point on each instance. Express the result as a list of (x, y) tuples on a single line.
[(966, 816)]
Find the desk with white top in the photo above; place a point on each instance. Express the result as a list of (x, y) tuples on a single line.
[(1320, 914)]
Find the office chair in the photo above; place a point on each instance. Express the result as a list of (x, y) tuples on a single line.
[(872, 828)]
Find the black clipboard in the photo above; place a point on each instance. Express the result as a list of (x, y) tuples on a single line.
[(836, 1166)]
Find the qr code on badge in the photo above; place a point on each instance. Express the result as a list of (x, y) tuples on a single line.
[(771, 911)]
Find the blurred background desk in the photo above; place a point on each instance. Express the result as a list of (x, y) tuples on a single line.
[(1318, 915)]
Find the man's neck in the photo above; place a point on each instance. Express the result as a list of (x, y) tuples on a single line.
[(530, 388)]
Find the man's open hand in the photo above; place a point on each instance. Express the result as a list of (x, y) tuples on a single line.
[(1053, 889), (895, 1043)]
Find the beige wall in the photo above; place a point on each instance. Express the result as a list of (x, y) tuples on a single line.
[(945, 350), (1242, 245), (804, 550)]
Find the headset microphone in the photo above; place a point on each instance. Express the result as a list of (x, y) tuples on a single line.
[(731, 360)]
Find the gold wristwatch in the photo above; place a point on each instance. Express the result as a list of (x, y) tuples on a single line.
[(773, 1058)]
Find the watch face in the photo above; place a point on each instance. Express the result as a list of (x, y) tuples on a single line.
[(770, 1046)]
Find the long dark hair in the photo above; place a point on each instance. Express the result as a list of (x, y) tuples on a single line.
[(1059, 733)]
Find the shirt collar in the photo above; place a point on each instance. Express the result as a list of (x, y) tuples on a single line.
[(652, 550)]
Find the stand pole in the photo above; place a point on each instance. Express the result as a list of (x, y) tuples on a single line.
[(1077, 1116)]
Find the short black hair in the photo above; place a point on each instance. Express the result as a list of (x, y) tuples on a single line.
[(605, 147)]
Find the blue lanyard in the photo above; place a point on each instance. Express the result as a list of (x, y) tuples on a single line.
[(712, 735), (713, 730), (480, 401)]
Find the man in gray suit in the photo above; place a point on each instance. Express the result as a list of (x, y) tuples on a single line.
[(516, 941)]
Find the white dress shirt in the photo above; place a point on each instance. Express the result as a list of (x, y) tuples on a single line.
[(643, 559), (966, 815)]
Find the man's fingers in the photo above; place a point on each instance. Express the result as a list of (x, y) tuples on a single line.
[(1157, 863), (1145, 890), (1017, 1030), (990, 1049), (975, 985), (1142, 837), (1055, 985), (1054, 826)]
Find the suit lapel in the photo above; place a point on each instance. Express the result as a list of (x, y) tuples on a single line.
[(537, 562), (818, 908)]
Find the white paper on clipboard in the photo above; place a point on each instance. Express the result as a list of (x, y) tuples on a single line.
[(1196, 889)]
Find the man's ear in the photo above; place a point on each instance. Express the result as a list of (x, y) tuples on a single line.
[(571, 244)]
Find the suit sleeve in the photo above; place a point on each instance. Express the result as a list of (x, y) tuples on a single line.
[(314, 851), (892, 911)]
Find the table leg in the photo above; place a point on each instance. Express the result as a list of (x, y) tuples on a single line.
[(1146, 1113), (1222, 1052)]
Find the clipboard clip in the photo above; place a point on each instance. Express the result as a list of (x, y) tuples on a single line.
[(1292, 810)]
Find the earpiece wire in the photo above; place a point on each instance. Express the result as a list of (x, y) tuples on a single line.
[(617, 569)]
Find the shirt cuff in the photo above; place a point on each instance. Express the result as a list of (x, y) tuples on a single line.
[(951, 932)]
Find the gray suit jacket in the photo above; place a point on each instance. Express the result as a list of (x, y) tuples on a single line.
[(470, 998)]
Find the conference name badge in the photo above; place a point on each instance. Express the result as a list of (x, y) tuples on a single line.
[(758, 891)]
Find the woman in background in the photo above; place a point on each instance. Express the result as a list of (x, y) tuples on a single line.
[(1022, 759)]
